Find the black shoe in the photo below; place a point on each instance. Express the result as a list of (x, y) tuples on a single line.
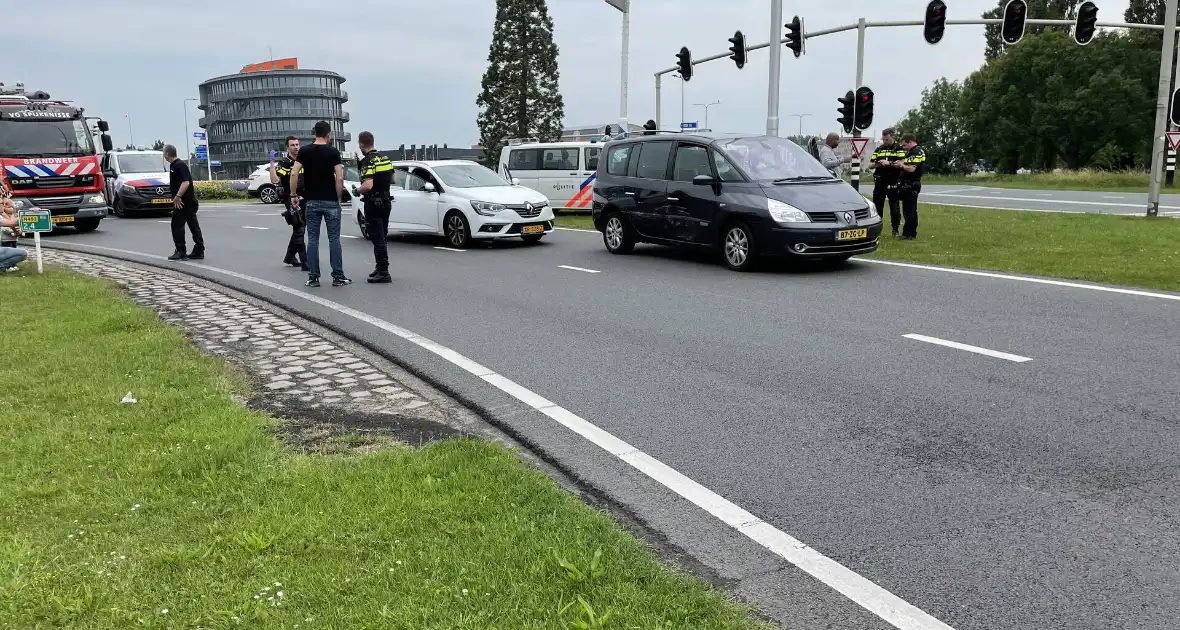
[(894, 233), (290, 260), (312, 282), (907, 237), (375, 274), (341, 282), (380, 279), (180, 255), (197, 255)]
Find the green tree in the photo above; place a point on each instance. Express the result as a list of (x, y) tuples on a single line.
[(938, 124), (158, 145), (1145, 12), (1037, 10), (520, 96)]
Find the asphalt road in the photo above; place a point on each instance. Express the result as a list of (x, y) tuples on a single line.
[(1048, 200), (1027, 479)]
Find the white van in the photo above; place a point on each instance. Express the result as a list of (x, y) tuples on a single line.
[(562, 171)]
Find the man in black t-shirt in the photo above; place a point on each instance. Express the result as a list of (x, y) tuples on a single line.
[(323, 186), (184, 207)]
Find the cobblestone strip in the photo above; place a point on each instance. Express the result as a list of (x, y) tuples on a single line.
[(292, 364)]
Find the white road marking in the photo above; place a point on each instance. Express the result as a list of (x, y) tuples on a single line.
[(164, 221), (1064, 201), (1044, 194), (578, 269), (577, 230), (450, 249), (1113, 197), (963, 205), (965, 189), (1001, 276), (889, 607), (1015, 358), (348, 236), (254, 227)]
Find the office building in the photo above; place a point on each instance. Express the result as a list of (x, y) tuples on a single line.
[(251, 113)]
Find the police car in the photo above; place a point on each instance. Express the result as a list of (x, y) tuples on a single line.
[(562, 171), (136, 182)]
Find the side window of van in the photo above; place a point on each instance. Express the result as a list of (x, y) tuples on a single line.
[(592, 154), (559, 159), (616, 160), (524, 159)]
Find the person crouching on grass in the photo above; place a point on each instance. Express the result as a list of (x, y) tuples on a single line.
[(10, 254)]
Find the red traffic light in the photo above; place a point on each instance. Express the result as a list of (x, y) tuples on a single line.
[(864, 98)]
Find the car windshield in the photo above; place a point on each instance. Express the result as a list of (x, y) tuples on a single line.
[(469, 176), (27, 138), (766, 158), (142, 163)]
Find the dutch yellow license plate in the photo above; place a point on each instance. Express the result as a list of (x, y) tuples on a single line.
[(852, 235), (161, 201), (62, 219), (532, 229)]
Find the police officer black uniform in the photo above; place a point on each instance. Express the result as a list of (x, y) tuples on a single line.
[(886, 176), (376, 178), (296, 247), (910, 184)]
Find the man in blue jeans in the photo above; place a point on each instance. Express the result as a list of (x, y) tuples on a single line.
[(323, 186)]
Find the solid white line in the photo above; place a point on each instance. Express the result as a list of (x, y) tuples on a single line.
[(450, 249), (577, 230), (889, 607), (1015, 358), (1001, 276), (163, 221), (348, 236), (1113, 197), (578, 269), (1064, 201), (254, 227)]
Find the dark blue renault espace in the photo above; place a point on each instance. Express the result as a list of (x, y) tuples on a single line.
[(746, 196)]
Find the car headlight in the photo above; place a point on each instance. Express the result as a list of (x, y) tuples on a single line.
[(872, 212), (487, 209), (96, 199), (784, 213), (127, 190)]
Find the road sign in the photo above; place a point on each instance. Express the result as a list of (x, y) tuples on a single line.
[(201, 152), (858, 146), (35, 222), (1174, 140), (199, 135), (688, 125), (215, 163)]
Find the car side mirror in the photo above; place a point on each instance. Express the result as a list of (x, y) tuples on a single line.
[(428, 187), (515, 181), (107, 144), (704, 180), (109, 174)]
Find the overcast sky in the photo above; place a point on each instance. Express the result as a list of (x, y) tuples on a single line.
[(413, 69)]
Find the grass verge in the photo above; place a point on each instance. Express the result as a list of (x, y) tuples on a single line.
[(182, 510), (1131, 251)]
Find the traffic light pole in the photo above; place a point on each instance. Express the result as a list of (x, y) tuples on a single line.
[(854, 176), (1161, 108), (776, 56)]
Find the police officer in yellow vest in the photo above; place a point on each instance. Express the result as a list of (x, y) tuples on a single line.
[(280, 176), (886, 176), (376, 178), (912, 166)]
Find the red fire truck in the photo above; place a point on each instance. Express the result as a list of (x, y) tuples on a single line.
[(48, 160)]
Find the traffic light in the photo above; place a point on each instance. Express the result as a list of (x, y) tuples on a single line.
[(737, 51), (684, 63), (795, 36), (1015, 12), (864, 108), (1083, 30), (1174, 109), (847, 105), (935, 23)]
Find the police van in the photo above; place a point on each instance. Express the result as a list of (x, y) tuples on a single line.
[(562, 171)]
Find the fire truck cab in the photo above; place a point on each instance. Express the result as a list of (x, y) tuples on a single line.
[(48, 159)]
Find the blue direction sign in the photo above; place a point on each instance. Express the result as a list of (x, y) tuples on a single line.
[(199, 135), (688, 125), (201, 152), (215, 163)]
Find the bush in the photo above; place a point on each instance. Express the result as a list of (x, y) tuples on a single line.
[(212, 191)]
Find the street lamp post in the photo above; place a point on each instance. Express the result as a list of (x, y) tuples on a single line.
[(130, 131), (707, 106), (624, 7), (188, 139), (800, 117)]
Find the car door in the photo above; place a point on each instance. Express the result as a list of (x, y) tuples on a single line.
[(649, 187), (109, 177), (586, 177), (417, 209), (691, 208)]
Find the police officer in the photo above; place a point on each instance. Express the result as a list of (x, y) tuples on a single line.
[(376, 177), (886, 176), (910, 184), (280, 176)]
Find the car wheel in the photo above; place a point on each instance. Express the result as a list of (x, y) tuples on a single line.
[(737, 248), (268, 194), (532, 239), (456, 230), (86, 225), (617, 235), (117, 209), (362, 224)]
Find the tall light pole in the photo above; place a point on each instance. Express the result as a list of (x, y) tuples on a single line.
[(188, 139), (624, 7), (776, 56), (1161, 109), (130, 132), (682, 82), (800, 117), (707, 106)]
